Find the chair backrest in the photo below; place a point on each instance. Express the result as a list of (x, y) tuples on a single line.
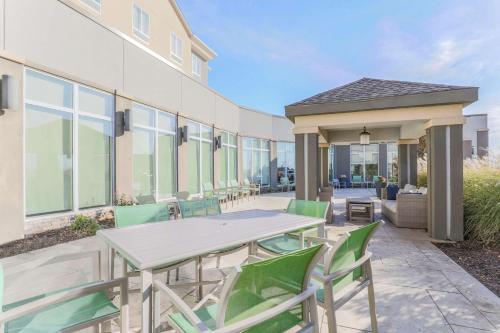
[(183, 195), (145, 199), (139, 214), (376, 179), (262, 285), (234, 183), (203, 207), (317, 209), (284, 180), (208, 187), (222, 184), (246, 182), (347, 252), (357, 179)]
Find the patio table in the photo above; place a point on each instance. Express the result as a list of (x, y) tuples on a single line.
[(153, 245)]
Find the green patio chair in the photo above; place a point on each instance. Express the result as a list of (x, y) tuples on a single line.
[(348, 266), (357, 180), (70, 309), (222, 195), (284, 183), (253, 188), (127, 216), (241, 190), (201, 207), (293, 241), (265, 296)]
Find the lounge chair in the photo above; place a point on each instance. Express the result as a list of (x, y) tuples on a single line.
[(265, 296), (69, 310), (253, 188), (221, 194)]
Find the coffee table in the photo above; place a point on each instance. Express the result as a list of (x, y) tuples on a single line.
[(360, 209)]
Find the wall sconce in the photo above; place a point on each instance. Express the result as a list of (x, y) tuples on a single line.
[(128, 122), (183, 134), (9, 94), (217, 142)]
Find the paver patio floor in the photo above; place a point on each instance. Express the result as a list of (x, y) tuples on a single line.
[(417, 287)]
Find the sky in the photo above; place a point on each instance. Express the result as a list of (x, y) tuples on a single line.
[(276, 52)]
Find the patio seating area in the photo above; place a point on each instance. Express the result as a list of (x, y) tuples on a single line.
[(417, 287)]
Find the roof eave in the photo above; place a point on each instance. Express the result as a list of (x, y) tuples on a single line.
[(464, 96)]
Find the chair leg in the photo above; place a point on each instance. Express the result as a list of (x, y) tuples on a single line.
[(177, 274), (313, 313), (168, 277), (330, 311), (371, 298), (199, 278), (218, 262)]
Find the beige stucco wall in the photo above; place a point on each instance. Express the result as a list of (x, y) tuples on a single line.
[(282, 129), (256, 124), (11, 162), (352, 136), (163, 21)]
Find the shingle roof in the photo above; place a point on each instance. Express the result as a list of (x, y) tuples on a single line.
[(367, 89)]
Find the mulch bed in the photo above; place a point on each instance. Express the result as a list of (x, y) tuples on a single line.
[(46, 239), (480, 261)]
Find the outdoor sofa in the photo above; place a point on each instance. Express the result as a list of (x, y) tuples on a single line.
[(409, 210)]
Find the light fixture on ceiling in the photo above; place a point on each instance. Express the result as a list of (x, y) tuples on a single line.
[(364, 137)]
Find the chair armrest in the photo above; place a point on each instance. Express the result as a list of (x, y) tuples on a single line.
[(180, 305), (61, 297), (342, 272), (268, 314)]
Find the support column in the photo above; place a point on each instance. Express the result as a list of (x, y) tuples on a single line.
[(407, 162), (306, 166), (323, 165), (445, 182)]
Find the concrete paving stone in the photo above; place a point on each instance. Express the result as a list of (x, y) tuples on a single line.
[(482, 298), (493, 318), (459, 311), (463, 329)]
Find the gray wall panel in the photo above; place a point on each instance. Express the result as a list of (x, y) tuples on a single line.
[(382, 159), (342, 161), (52, 34), (299, 167), (467, 148), (456, 183), (482, 143)]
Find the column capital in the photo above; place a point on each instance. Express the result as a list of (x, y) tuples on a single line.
[(445, 122), (324, 145), (407, 141)]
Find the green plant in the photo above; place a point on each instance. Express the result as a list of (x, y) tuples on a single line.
[(422, 179), (124, 200), (482, 201), (85, 224)]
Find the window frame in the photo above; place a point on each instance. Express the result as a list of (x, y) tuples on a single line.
[(230, 146), (200, 139), (138, 32), (76, 113), (363, 163), (95, 5), (389, 161), (197, 58), (157, 131), (173, 44), (262, 151)]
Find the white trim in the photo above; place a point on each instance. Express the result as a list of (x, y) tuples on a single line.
[(408, 162), (196, 59), (448, 182), (173, 45)]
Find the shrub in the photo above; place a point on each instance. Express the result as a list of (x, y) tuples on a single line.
[(124, 200), (422, 179), (482, 201), (85, 224)]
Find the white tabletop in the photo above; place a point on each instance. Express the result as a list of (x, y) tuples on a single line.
[(152, 245)]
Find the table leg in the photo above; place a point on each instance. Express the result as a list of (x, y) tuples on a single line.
[(199, 278), (147, 304)]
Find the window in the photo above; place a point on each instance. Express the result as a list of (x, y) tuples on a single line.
[(256, 160), (140, 23), (392, 162), (154, 153), (69, 145), (94, 4), (229, 158), (176, 47), (331, 163), (286, 160), (197, 64), (364, 161), (200, 156)]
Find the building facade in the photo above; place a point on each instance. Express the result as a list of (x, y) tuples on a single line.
[(476, 142), (105, 101)]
